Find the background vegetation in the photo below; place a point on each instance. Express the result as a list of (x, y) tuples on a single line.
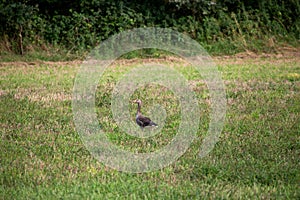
[(52, 28)]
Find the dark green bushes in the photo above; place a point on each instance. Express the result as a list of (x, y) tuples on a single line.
[(19, 23), (220, 26)]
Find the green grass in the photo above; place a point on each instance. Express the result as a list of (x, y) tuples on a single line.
[(257, 157), (224, 46)]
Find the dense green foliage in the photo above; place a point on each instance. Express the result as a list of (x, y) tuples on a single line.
[(221, 26)]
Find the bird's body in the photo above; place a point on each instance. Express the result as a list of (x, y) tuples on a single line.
[(140, 119)]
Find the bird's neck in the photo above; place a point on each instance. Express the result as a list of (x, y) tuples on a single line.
[(138, 110)]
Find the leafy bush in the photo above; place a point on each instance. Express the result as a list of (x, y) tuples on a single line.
[(20, 22), (80, 25)]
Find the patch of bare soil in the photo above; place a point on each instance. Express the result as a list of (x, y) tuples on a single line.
[(42, 96), (283, 54)]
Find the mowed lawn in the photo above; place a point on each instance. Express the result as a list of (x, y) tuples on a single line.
[(257, 156)]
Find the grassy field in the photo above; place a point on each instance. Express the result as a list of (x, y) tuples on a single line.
[(257, 156)]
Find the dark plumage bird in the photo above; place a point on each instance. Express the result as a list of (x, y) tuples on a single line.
[(140, 119)]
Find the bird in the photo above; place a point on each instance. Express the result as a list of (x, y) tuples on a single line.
[(140, 119)]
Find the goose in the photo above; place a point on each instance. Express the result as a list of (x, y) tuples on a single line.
[(140, 119)]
